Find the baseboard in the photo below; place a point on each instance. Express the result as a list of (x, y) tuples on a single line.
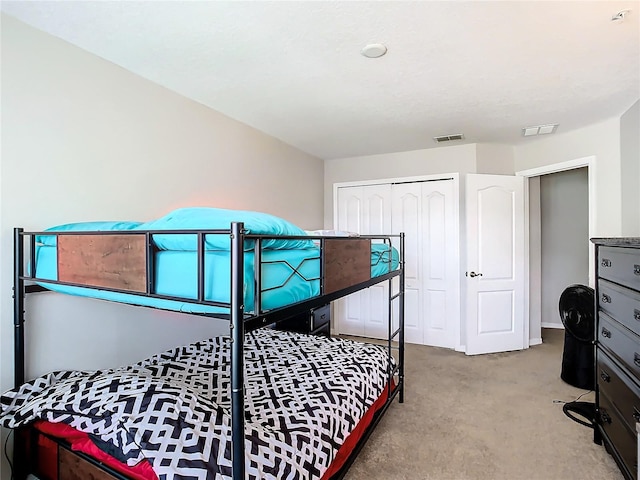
[(552, 325), (535, 341)]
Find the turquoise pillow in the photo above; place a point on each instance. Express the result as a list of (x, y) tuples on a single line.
[(51, 240), (206, 218)]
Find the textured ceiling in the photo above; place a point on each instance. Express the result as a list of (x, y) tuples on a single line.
[(294, 71)]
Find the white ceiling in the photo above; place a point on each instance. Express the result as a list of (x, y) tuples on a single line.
[(294, 69)]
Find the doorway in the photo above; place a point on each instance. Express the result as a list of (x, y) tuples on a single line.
[(564, 219), (535, 304)]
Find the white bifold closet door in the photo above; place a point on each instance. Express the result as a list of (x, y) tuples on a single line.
[(427, 212)]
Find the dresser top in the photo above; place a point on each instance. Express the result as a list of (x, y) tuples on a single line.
[(618, 241)]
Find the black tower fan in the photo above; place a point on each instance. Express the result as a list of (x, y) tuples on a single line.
[(578, 365), (577, 314)]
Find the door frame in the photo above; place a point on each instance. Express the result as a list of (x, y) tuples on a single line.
[(590, 163), (455, 176)]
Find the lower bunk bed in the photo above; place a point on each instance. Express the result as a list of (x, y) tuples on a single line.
[(308, 402), (261, 403)]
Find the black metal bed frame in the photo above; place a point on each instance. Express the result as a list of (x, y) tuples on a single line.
[(239, 320)]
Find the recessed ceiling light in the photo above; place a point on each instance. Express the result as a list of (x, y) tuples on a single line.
[(539, 130), (374, 50)]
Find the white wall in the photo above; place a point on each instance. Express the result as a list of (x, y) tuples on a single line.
[(492, 158), (564, 218), (83, 139), (630, 170), (601, 140)]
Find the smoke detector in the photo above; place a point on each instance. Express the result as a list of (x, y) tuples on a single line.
[(374, 50), (448, 138)]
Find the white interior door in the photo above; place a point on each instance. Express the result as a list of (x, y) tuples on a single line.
[(365, 210), (495, 276)]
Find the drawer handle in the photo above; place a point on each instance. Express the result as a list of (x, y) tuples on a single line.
[(606, 298), (636, 414), (636, 270), (636, 314), (606, 333), (636, 359), (605, 416), (605, 262), (605, 376)]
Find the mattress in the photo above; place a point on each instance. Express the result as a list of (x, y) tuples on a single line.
[(288, 276), (304, 397)]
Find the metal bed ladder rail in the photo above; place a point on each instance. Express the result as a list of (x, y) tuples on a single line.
[(399, 332), (237, 351)]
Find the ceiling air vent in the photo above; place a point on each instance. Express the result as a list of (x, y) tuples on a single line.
[(448, 138)]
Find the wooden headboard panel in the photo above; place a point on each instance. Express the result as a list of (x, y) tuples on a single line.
[(347, 262), (119, 261), (111, 261)]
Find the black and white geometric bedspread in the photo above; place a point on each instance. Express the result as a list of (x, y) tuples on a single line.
[(304, 394)]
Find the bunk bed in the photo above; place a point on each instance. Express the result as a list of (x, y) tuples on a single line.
[(124, 263)]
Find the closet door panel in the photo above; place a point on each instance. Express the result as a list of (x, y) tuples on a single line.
[(351, 312), (377, 212), (350, 209), (436, 244), (376, 324), (413, 317), (365, 210), (348, 312), (407, 218), (441, 275), (376, 221), (436, 301)]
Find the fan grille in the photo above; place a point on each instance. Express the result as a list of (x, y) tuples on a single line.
[(577, 311)]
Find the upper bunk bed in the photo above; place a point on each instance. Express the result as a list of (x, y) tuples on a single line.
[(225, 264)]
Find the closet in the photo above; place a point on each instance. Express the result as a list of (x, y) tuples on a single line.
[(465, 255), (427, 211)]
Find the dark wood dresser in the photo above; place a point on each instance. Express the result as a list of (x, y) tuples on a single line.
[(618, 349)]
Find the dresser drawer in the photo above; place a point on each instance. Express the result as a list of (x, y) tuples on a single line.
[(617, 386), (620, 342), (623, 440), (620, 303), (320, 317), (315, 322), (620, 265)]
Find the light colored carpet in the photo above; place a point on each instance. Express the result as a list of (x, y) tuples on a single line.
[(484, 417)]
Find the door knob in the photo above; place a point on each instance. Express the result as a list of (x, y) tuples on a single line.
[(474, 274)]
